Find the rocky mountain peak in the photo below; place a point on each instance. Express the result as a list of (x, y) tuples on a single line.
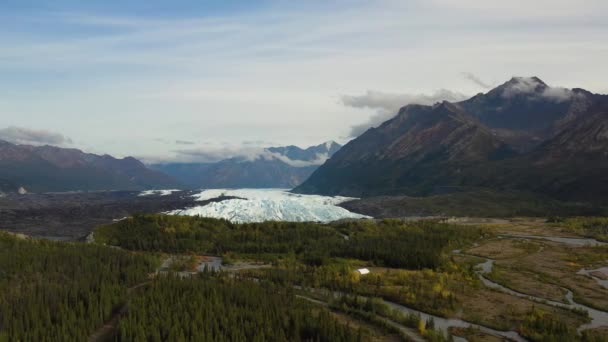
[(523, 134), (520, 86)]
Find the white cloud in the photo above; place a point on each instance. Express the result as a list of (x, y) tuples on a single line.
[(215, 153), (388, 104), (558, 94), (21, 135), (531, 85), (518, 9), (274, 74), (522, 85), (247, 151), (319, 160)]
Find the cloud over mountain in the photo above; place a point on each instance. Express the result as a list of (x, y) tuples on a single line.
[(387, 104), (21, 135), (246, 165), (533, 85), (212, 154)]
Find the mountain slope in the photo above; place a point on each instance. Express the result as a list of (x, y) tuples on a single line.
[(48, 168), (522, 135), (525, 111), (276, 167), (572, 165), (421, 147)]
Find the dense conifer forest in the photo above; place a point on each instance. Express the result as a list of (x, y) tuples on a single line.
[(58, 291), (61, 291), (301, 282), (391, 243), (218, 308)]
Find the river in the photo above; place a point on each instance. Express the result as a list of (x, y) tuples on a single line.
[(598, 318)]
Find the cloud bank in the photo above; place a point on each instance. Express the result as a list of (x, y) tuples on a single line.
[(244, 153), (388, 104), (21, 135)]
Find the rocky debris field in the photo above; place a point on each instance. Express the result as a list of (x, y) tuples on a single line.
[(70, 216)]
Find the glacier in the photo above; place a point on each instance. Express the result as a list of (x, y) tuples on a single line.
[(259, 205), (157, 192)]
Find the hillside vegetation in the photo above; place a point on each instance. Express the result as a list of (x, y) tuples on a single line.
[(53, 291), (390, 243)]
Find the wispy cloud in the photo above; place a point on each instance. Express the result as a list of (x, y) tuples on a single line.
[(476, 80), (21, 135), (388, 104), (246, 152), (521, 9), (214, 153), (274, 74), (184, 142)]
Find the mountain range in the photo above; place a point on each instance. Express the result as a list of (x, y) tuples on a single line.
[(274, 167), (521, 135), (55, 169), (50, 168)]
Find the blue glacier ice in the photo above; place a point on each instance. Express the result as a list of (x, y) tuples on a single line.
[(258, 205)]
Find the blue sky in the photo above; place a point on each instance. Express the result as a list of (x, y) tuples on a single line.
[(148, 8), (134, 77)]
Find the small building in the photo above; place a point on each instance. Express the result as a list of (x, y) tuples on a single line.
[(363, 271)]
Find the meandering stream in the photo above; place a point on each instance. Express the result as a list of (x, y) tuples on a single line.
[(444, 324), (598, 318), (576, 242), (591, 273), (440, 323)]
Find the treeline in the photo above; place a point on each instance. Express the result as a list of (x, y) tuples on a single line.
[(219, 308), (430, 291), (592, 227), (374, 309), (542, 326), (392, 243), (57, 291)]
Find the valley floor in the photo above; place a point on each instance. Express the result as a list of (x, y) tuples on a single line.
[(524, 279), (518, 279)]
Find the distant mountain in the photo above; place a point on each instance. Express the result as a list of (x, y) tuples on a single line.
[(49, 168), (276, 167), (312, 153), (521, 135)]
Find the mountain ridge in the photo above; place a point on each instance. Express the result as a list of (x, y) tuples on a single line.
[(274, 167), (516, 136), (50, 168)]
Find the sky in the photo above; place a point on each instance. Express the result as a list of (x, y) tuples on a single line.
[(199, 80)]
